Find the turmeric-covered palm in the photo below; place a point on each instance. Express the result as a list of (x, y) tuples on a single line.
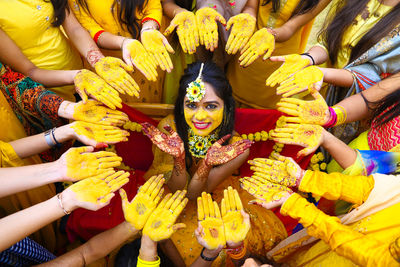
[(210, 220), (208, 29), (291, 64), (261, 43), (161, 223), (268, 194), (305, 135), (138, 56), (114, 72), (243, 26), (139, 209), (95, 134), (280, 170), (186, 28), (236, 221), (94, 112), (78, 163), (88, 84), (158, 47), (309, 78), (312, 112)]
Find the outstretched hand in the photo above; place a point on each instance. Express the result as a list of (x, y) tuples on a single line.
[(94, 112), (186, 28), (211, 225), (218, 154), (261, 43), (243, 26), (208, 29), (139, 209), (158, 47), (171, 144), (309, 78), (291, 64), (134, 53), (115, 72), (88, 84), (160, 224), (311, 112)]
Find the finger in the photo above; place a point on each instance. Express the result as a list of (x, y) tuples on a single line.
[(180, 207), (83, 149), (157, 189), (124, 198), (227, 202), (216, 210), (223, 206), (239, 205), (106, 199), (292, 119), (167, 46), (231, 195), (173, 199), (250, 60), (159, 196), (268, 53), (164, 201), (108, 165), (178, 200), (231, 21), (210, 205), (147, 184), (288, 111), (221, 19), (170, 29), (200, 210), (178, 226), (224, 139), (153, 185)]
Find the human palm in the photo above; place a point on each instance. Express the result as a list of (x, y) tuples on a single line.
[(291, 64), (208, 29), (261, 43), (243, 26), (87, 132)]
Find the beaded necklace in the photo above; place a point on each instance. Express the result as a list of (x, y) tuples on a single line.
[(199, 145)]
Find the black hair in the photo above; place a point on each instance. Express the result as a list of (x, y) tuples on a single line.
[(302, 7), (60, 8), (126, 13), (345, 14), (186, 4), (213, 75)]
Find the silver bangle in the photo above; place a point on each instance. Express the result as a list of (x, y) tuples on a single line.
[(49, 140)]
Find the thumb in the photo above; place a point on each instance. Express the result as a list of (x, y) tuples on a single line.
[(167, 45), (126, 66), (278, 58), (178, 226), (221, 19), (230, 23)]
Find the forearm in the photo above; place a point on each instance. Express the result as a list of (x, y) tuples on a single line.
[(18, 179), (148, 249), (170, 9), (110, 41), (353, 245), (319, 54), (251, 8), (23, 223), (338, 77), (334, 186), (35, 144), (50, 78), (178, 178), (198, 183), (342, 153)]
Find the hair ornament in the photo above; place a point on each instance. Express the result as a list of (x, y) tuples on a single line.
[(196, 89)]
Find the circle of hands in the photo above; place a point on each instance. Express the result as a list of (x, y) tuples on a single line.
[(172, 144), (272, 180), (228, 227)]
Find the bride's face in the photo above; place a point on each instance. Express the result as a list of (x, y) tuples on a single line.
[(205, 116)]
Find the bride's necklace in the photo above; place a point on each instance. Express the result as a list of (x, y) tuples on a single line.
[(199, 145)]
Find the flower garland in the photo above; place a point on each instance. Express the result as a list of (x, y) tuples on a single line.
[(199, 145)]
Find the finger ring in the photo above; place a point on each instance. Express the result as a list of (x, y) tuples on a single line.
[(103, 119), (171, 211)]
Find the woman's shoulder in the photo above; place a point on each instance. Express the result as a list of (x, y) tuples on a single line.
[(167, 121), (235, 137)]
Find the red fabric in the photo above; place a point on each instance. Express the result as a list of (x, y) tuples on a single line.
[(84, 224), (137, 154)]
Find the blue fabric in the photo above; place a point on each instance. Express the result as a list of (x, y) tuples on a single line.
[(25, 253)]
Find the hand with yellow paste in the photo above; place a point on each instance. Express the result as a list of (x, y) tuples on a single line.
[(98, 135), (218, 154), (93, 193), (305, 135), (261, 43), (158, 47), (308, 78), (211, 226), (291, 64), (94, 112), (115, 72), (171, 144), (88, 84), (303, 111), (280, 170), (208, 29), (160, 224), (268, 194), (243, 26), (139, 209), (135, 54), (78, 163), (186, 28), (236, 221)]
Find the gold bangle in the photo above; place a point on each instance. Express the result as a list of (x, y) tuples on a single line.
[(61, 204), (341, 115)]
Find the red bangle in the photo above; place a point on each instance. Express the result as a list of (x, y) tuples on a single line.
[(97, 35), (147, 19)]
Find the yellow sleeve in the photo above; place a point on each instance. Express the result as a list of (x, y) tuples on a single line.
[(357, 247), (152, 11), (85, 19), (8, 157), (142, 263), (333, 186)]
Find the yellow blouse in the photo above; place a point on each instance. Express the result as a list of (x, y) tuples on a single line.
[(28, 23), (8, 157), (371, 241), (363, 23), (103, 17)]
